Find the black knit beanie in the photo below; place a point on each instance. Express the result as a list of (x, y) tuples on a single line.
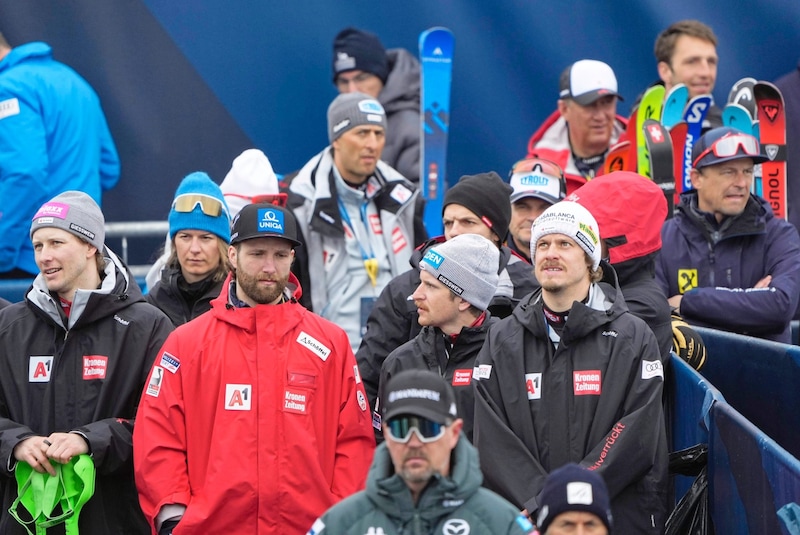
[(487, 196), (356, 49)]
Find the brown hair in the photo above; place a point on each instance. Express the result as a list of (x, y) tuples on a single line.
[(665, 42)]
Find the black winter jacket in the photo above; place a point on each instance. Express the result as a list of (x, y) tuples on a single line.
[(595, 400), (167, 296), (393, 320), (86, 375)]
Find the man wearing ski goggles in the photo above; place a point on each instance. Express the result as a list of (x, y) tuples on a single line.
[(425, 478), (727, 261)]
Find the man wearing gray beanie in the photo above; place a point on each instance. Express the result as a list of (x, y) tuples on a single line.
[(84, 332), (359, 218), (477, 204), (458, 281)]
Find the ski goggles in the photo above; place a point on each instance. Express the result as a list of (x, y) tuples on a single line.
[(400, 428), (729, 145), (209, 205), (546, 167)]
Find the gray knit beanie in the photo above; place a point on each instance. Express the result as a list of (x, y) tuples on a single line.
[(75, 212), (467, 264), (349, 110)]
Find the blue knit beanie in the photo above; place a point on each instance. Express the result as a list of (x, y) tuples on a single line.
[(199, 183)]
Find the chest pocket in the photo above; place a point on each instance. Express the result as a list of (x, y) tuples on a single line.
[(299, 392)]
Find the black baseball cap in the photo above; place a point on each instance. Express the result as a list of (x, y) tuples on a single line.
[(264, 220), (419, 393)]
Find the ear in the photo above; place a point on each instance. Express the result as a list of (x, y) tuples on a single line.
[(232, 256), (463, 305), (563, 107), (664, 72), (456, 428), (696, 178)]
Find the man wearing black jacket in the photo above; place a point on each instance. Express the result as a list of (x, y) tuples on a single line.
[(573, 376), (74, 356), (477, 204)]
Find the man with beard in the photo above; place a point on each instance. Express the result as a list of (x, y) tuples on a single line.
[(254, 418), (573, 376), (425, 478)]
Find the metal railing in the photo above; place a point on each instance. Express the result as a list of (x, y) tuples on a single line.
[(135, 229)]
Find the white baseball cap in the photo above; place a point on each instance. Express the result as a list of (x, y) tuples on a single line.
[(588, 80)]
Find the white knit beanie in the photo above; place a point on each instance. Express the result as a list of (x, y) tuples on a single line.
[(573, 220), (467, 264)]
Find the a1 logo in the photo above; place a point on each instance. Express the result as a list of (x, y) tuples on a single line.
[(238, 397), (40, 368), (533, 384)]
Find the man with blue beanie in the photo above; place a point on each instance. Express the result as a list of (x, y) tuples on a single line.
[(199, 233)]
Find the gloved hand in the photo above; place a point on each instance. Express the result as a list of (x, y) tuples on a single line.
[(167, 526), (686, 342)]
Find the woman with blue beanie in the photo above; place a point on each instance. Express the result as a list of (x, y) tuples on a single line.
[(199, 233)]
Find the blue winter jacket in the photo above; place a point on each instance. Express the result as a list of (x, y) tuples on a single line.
[(715, 267), (53, 138)]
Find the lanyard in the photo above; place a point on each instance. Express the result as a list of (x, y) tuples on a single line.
[(370, 262)]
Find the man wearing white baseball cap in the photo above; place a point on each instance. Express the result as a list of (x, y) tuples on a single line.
[(578, 134), (537, 184), (573, 376)]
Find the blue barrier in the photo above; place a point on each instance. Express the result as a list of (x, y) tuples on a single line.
[(14, 289), (759, 379), (753, 482)]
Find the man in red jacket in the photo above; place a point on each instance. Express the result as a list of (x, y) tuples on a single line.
[(578, 134), (254, 419)]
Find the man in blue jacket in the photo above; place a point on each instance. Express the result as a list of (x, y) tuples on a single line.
[(53, 138), (727, 262)]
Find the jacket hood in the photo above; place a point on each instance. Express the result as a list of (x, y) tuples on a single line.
[(629, 210), (402, 88), (389, 492), (118, 290), (25, 52)]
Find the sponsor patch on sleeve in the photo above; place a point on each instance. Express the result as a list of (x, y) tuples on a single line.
[(169, 362), (9, 107), (357, 374), (314, 345), (400, 193), (154, 385), (652, 368), (484, 371), (362, 401), (317, 528)]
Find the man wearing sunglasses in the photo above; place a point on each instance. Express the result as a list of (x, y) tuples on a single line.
[(425, 478), (573, 376), (727, 262)]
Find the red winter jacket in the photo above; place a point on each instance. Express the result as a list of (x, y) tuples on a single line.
[(551, 142), (255, 419)]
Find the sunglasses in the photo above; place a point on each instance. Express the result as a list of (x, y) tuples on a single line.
[(729, 145), (209, 205), (399, 429), (545, 167)]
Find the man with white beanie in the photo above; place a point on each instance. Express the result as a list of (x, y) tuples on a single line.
[(458, 281), (573, 376)]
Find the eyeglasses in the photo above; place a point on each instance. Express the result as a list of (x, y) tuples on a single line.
[(729, 144), (399, 429), (545, 167)]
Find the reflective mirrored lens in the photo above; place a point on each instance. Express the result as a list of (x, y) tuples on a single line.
[(545, 167), (400, 429), (729, 145), (209, 205)]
